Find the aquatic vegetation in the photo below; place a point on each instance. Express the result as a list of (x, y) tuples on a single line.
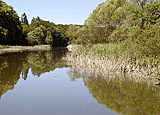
[(106, 58)]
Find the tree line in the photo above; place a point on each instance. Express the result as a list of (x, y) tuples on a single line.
[(132, 24), (44, 32), (118, 20), (10, 25), (14, 31)]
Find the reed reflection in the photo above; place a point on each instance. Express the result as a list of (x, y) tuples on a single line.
[(121, 94)]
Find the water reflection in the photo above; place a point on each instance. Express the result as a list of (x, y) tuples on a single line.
[(12, 65), (41, 62), (124, 96)]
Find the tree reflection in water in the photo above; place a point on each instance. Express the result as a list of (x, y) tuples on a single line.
[(13, 65), (121, 95), (41, 62), (124, 96)]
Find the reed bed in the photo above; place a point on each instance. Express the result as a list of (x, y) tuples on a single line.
[(113, 65)]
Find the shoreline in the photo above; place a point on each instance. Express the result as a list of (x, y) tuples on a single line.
[(72, 47), (35, 47), (24, 48), (111, 67)]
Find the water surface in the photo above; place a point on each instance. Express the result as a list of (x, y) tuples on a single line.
[(38, 83), (41, 83)]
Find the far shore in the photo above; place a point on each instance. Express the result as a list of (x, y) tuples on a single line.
[(10, 49), (24, 48)]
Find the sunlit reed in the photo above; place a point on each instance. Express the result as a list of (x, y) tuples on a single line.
[(111, 66)]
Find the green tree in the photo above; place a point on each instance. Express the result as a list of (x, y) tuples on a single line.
[(49, 38), (105, 19), (83, 36), (24, 19), (10, 25), (143, 11), (36, 36), (71, 33), (143, 28), (34, 19)]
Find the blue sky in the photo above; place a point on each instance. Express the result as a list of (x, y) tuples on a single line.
[(56, 11)]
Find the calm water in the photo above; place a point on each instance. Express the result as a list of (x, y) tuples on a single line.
[(40, 83)]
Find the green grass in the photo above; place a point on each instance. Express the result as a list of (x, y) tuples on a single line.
[(107, 50)]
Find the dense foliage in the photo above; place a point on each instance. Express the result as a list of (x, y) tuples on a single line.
[(10, 25), (45, 32), (118, 20), (132, 24), (16, 32)]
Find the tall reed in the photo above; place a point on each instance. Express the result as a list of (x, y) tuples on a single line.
[(107, 59)]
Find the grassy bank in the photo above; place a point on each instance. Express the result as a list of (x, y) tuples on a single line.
[(113, 59)]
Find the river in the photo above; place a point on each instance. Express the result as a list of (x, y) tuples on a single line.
[(41, 83)]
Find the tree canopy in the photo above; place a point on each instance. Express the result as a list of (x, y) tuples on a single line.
[(24, 19), (10, 25), (113, 21), (16, 32), (45, 32), (116, 20), (135, 24)]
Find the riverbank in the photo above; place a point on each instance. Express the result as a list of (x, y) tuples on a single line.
[(23, 48), (73, 47), (104, 62)]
